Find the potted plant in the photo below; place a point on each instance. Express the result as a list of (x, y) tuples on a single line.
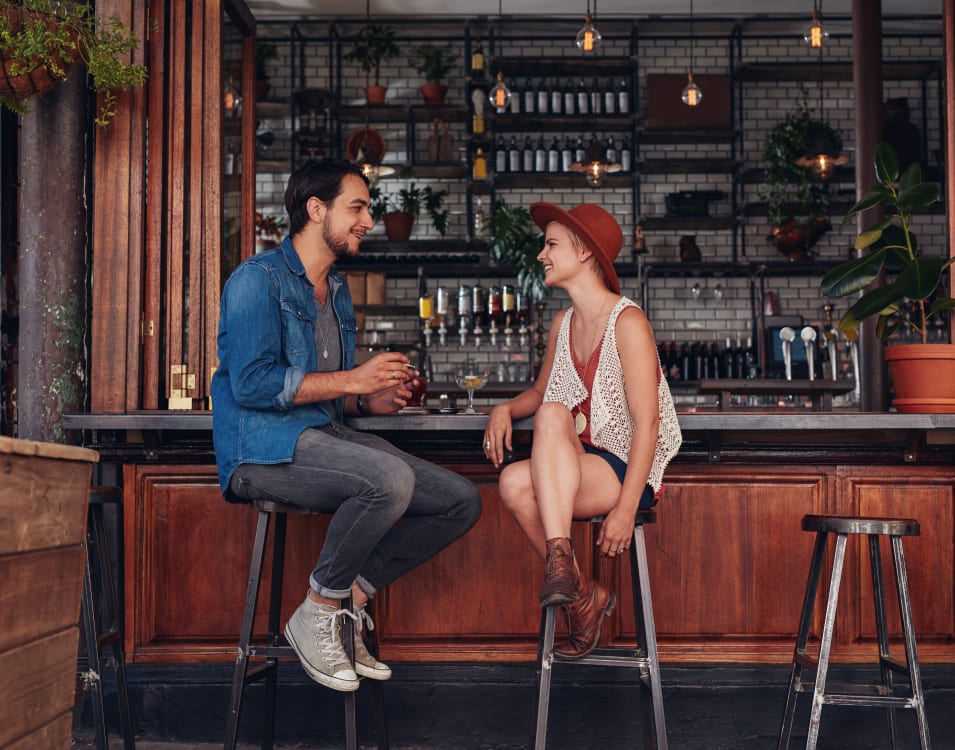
[(400, 212), (371, 46), (40, 40), (798, 205), (923, 374), (434, 62), (265, 53), (515, 240)]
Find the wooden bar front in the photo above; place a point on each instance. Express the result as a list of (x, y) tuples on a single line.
[(728, 561)]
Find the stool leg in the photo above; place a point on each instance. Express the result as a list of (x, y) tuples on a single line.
[(825, 645), (351, 716), (245, 632), (377, 689), (654, 722), (882, 631), (275, 612), (911, 653), (92, 680), (545, 663)]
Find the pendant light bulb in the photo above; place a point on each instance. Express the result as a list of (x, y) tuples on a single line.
[(815, 34), (500, 95), (692, 94), (230, 97), (588, 38)]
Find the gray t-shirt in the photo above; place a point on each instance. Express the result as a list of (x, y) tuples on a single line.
[(328, 344)]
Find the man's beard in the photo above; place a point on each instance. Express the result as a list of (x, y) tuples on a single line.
[(339, 247)]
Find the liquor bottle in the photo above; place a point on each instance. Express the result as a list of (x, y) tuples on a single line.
[(566, 155), (500, 156), (579, 150), (514, 163), (610, 98), (479, 168), (494, 304), (477, 307), (425, 306), (556, 98), (595, 98), (480, 220), (583, 98), (626, 156), (611, 150), (569, 97), (623, 97), (540, 156), (527, 155), (508, 309), (530, 98), (553, 156), (516, 97), (739, 360), (713, 368), (477, 61), (686, 362), (727, 360), (464, 312), (543, 98), (750, 362)]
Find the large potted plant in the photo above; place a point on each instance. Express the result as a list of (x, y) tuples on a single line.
[(516, 241), (434, 62), (923, 373), (371, 46), (40, 41), (399, 212), (797, 204)]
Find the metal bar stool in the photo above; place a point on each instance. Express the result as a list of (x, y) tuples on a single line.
[(644, 657), (885, 693), (97, 544), (274, 646)]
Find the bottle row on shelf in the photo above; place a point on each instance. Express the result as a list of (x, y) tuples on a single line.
[(699, 360), (556, 158), (475, 310), (566, 98)]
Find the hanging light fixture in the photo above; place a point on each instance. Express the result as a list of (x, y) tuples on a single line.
[(230, 97), (595, 166), (692, 95), (500, 95), (588, 38), (368, 156), (821, 151), (816, 34)]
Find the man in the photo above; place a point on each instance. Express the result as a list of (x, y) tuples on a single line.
[(285, 380)]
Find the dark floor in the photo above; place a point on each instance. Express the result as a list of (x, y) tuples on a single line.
[(491, 707)]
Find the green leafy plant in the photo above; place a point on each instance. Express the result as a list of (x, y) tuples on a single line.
[(791, 195), (905, 301), (433, 61), (516, 240), (371, 46), (53, 36), (411, 199), (265, 52)]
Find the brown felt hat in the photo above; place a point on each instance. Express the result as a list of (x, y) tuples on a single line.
[(595, 226)]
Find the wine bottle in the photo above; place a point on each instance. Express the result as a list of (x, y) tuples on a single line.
[(623, 97), (556, 98), (728, 360), (595, 98), (514, 156), (626, 156), (527, 155), (540, 156), (566, 155), (500, 156), (610, 98), (477, 61), (583, 98), (530, 98), (579, 151), (569, 98), (611, 150), (543, 98), (516, 97), (479, 168)]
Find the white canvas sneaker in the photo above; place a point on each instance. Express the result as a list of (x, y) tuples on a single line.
[(365, 664), (314, 631)]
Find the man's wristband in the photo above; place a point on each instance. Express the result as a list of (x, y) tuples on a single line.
[(360, 405)]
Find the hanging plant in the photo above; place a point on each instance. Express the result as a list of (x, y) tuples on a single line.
[(40, 40)]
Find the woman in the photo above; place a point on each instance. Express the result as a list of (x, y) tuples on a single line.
[(604, 424)]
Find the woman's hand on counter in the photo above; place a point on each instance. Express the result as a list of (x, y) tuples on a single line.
[(497, 434)]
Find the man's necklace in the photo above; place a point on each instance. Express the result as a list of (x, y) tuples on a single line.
[(321, 328)]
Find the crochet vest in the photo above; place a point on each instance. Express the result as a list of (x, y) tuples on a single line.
[(611, 425)]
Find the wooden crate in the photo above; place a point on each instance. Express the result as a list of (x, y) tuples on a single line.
[(44, 488)]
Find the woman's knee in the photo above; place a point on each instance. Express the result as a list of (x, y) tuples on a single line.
[(515, 486), (550, 417)]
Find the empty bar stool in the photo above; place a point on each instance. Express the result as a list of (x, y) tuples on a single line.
[(643, 657), (884, 693), (273, 646), (99, 588)]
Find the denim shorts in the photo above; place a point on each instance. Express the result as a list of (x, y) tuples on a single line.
[(647, 499)]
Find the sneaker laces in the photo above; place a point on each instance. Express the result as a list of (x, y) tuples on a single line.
[(326, 633), (363, 619)]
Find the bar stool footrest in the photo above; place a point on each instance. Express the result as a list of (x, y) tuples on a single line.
[(606, 660), (875, 701)]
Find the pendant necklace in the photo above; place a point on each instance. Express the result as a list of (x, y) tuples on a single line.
[(321, 328), (580, 421)]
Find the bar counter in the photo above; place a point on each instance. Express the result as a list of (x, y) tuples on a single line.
[(728, 561)]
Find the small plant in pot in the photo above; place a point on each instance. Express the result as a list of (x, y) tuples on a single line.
[(265, 52), (798, 205), (399, 212), (912, 297), (371, 46), (41, 40), (434, 62)]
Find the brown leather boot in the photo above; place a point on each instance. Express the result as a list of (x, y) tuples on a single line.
[(560, 575), (584, 618)]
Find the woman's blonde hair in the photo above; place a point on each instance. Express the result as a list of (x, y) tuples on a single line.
[(580, 244)]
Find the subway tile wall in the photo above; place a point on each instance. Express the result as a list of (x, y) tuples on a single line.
[(724, 307)]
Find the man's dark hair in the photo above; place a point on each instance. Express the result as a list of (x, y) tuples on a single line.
[(319, 178)]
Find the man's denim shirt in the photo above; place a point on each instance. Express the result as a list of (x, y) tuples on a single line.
[(266, 344)]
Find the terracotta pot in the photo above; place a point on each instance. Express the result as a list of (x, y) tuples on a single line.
[(375, 94), (923, 376), (398, 225), (434, 93), (34, 82)]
